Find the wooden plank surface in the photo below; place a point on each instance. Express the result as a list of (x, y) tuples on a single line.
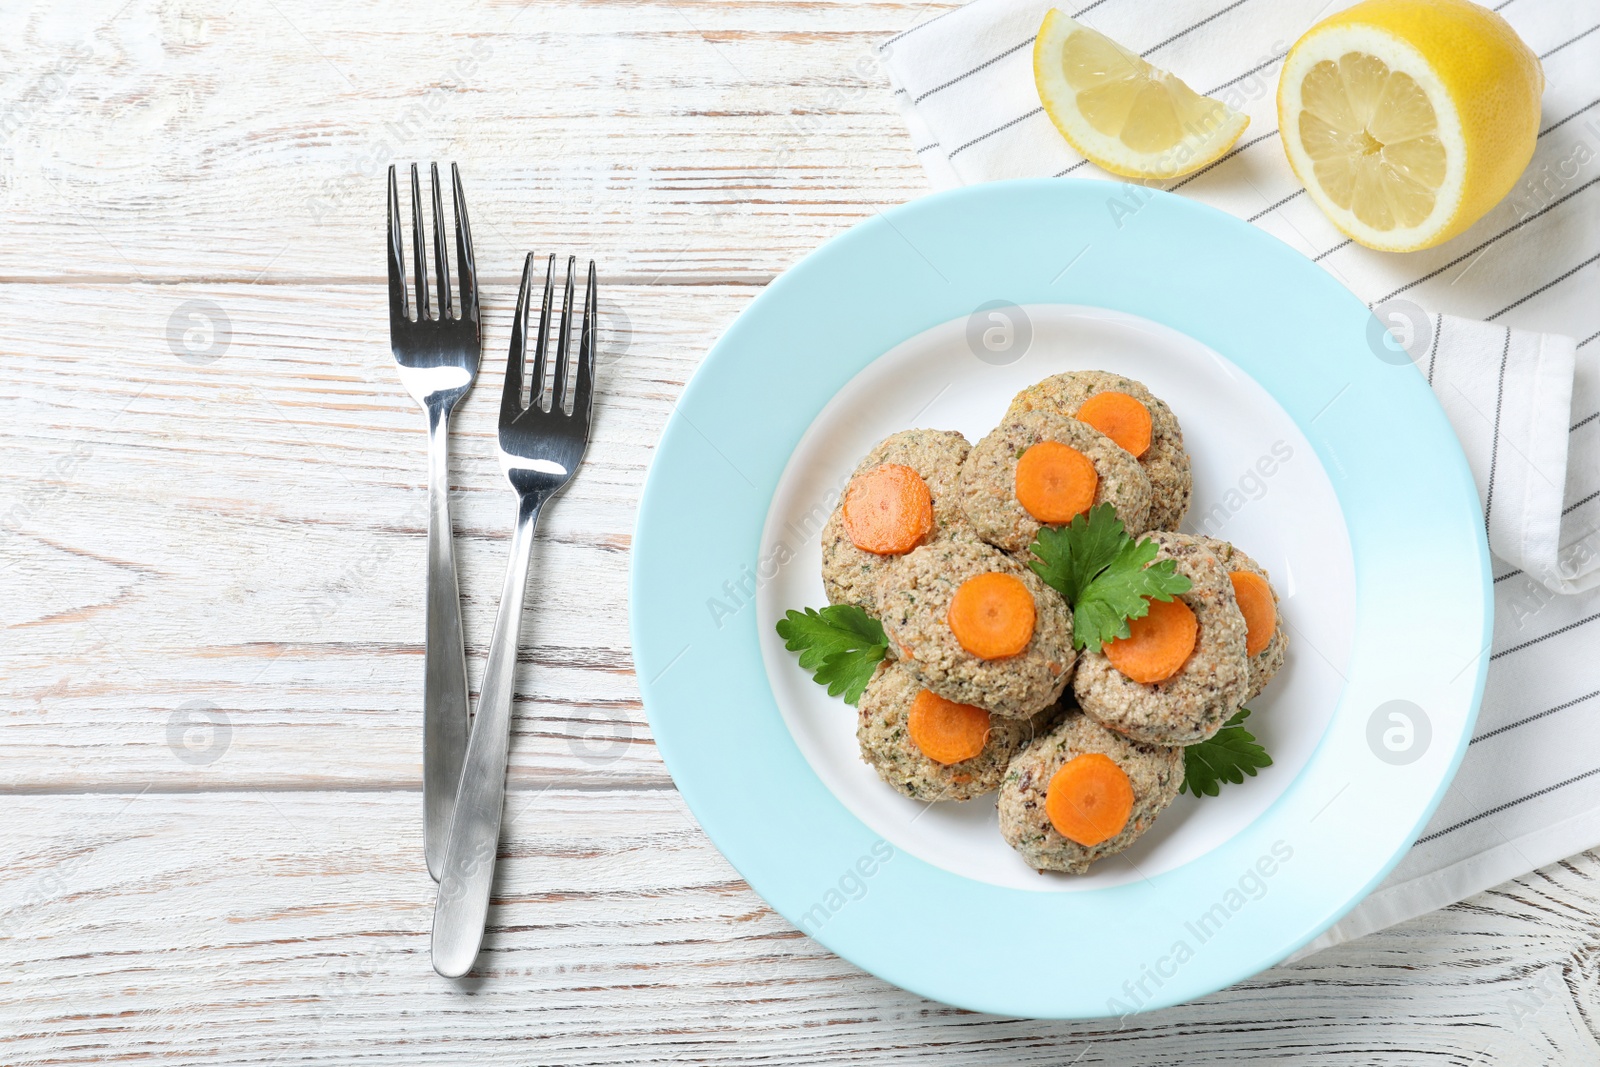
[(271, 928), (244, 538), (249, 141), (211, 535)]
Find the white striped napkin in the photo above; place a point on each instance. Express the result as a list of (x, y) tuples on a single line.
[(1509, 295)]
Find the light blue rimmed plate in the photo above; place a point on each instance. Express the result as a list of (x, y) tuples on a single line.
[(1315, 448)]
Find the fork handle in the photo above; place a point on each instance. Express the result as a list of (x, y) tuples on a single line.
[(468, 871), (444, 701)]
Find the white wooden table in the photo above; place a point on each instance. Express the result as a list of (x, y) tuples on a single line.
[(211, 537)]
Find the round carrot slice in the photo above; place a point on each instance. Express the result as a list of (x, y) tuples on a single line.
[(1256, 605), (1055, 482), (888, 510), (945, 731), (992, 615), (1121, 418), (1089, 799), (1158, 645)]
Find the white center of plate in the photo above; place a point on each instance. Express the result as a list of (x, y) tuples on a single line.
[(1257, 483)]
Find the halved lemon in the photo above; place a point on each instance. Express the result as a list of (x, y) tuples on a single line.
[(1407, 120), (1120, 112)]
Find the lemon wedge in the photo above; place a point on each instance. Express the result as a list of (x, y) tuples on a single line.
[(1123, 114), (1407, 120)]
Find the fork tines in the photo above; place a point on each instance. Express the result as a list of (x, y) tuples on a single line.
[(400, 287), (512, 404)]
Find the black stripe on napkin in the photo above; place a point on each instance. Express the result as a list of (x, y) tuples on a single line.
[(1184, 33), (1246, 74), (1547, 285), (1494, 443), (1223, 159), (1546, 637), (985, 136), (1570, 508), (1569, 40), (1534, 717), (1433, 349), (981, 66), (1274, 207), (1509, 804), (1556, 125), (1346, 243)]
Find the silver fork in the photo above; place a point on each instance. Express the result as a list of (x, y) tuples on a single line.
[(437, 352), (539, 450)]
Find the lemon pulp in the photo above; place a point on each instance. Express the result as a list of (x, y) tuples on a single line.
[(1123, 96), (1373, 139), (1122, 113)]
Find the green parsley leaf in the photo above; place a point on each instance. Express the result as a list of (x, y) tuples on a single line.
[(1070, 556), (1228, 756), (1106, 576), (1123, 591), (841, 645), (1109, 578)]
